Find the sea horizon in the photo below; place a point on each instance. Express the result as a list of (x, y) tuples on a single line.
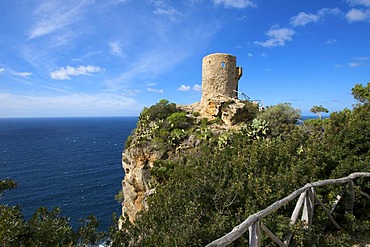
[(69, 162)]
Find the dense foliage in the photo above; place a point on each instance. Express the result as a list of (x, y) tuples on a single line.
[(228, 177), (239, 173), (46, 228), (281, 118)]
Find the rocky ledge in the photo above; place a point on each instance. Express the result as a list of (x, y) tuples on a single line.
[(167, 132)]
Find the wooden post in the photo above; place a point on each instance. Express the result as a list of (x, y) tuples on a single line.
[(308, 206), (255, 235), (351, 202), (295, 214), (297, 208)]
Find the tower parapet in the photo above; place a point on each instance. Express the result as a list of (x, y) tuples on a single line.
[(220, 76)]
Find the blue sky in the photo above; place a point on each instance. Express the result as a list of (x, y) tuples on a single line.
[(113, 57)]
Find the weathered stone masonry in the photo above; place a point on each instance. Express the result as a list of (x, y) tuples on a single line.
[(220, 76)]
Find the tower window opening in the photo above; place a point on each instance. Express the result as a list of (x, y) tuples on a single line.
[(223, 65)]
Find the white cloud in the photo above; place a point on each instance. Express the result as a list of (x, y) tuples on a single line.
[(263, 54), (79, 104), (326, 11), (303, 18), (250, 54), (65, 73), (151, 84), (2, 70), (197, 88), (358, 62), (165, 10), (169, 11), (241, 18), (184, 88), (331, 41), (147, 64), (355, 64), (162, 51), (22, 74), (277, 37), (55, 15), (87, 55), (359, 2), (154, 90), (115, 48), (240, 4), (131, 92), (358, 15), (361, 58), (119, 1)]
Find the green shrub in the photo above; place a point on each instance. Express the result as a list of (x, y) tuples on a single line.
[(281, 118), (204, 122), (234, 175), (178, 120), (128, 141), (160, 110), (196, 114), (119, 196)]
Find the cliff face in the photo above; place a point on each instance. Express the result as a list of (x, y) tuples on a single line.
[(137, 163), (167, 132)]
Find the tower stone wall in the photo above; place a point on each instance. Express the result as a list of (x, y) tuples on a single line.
[(220, 76)]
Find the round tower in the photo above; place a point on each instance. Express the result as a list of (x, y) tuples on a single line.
[(220, 76)]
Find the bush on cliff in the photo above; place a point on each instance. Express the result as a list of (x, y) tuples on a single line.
[(160, 110), (218, 186), (281, 118), (221, 185)]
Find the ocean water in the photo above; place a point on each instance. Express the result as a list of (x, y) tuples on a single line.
[(71, 163)]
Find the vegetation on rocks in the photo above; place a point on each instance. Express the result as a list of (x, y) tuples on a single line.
[(233, 174), (218, 177), (45, 227)]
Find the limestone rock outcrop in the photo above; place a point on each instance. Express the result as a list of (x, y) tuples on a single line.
[(159, 139), (140, 155), (136, 162)]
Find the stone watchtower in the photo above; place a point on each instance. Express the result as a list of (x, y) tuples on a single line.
[(220, 76)]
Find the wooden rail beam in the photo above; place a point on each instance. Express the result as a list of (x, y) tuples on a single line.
[(336, 201), (327, 212), (272, 235), (244, 226), (295, 215), (365, 194)]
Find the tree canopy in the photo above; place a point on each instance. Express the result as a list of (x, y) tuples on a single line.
[(227, 178), (362, 93), (317, 109)]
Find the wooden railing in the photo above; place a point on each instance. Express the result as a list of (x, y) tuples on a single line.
[(307, 198)]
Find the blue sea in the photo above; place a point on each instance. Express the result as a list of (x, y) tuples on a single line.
[(71, 163)]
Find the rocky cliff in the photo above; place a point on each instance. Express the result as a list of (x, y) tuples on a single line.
[(167, 132)]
